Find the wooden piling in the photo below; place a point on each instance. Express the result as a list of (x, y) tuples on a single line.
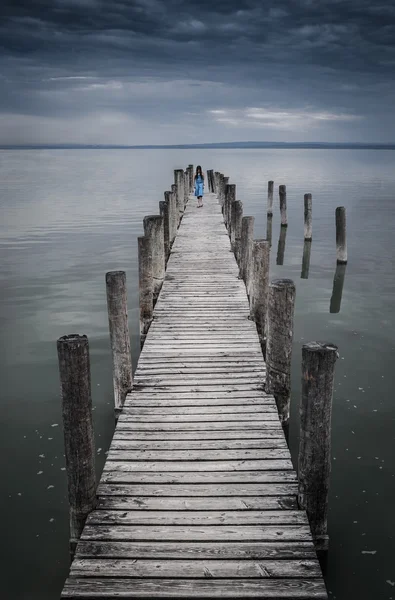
[(145, 286), (237, 217), (119, 336), (308, 218), (191, 178), (318, 367), (216, 182), (247, 236), (170, 199), (280, 315), (186, 186), (230, 197), (225, 181), (260, 285), (75, 386), (165, 213), (341, 241), (306, 259), (154, 229), (210, 176), (180, 192), (270, 188), (283, 205)]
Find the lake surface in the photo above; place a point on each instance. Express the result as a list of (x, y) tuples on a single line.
[(69, 216)]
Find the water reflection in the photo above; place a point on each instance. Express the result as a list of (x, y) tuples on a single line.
[(281, 245), (269, 225), (306, 259), (338, 282)]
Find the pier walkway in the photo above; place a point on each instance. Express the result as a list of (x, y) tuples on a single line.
[(198, 496)]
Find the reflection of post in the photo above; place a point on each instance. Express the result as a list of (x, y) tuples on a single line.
[(338, 282), (270, 186), (281, 245), (306, 259), (269, 229)]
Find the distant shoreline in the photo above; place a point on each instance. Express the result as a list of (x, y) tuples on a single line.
[(212, 146)]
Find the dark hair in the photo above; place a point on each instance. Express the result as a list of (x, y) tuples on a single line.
[(199, 171)]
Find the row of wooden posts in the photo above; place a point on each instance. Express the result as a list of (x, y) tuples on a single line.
[(271, 308)]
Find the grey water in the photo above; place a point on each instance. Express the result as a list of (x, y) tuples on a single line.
[(68, 216)]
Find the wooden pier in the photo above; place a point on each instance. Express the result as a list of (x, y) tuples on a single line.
[(198, 496)]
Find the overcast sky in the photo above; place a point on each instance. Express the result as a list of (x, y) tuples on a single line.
[(178, 71)]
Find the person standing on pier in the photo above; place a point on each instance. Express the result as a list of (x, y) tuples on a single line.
[(199, 185)]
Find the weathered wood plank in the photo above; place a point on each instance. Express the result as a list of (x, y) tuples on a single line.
[(296, 568), (197, 455), (219, 434), (120, 444), (259, 417), (184, 466), (209, 503), (189, 426), (204, 489), (202, 410), (214, 533), (197, 550), (200, 477)]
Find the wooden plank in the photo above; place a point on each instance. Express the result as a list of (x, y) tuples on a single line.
[(197, 455), (200, 380), (196, 518), (229, 533), (208, 503), (189, 419), (278, 550), (119, 443), (197, 393), (131, 409), (219, 434), (296, 568), (189, 426), (200, 477)]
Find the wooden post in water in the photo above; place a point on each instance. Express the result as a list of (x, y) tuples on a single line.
[(165, 213), (216, 183), (210, 176), (341, 241), (247, 237), (318, 367), (221, 191), (191, 177), (337, 291), (119, 336), (308, 218), (269, 229), (186, 186), (225, 181), (145, 286), (237, 217), (170, 199), (180, 192), (270, 187), (281, 245), (280, 315), (154, 230), (75, 386), (230, 197), (260, 285), (283, 205)]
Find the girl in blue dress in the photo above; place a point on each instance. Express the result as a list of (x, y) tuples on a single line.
[(199, 185)]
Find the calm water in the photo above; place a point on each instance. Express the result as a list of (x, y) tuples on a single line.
[(68, 216)]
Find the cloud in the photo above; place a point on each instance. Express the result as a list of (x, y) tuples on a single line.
[(313, 68)]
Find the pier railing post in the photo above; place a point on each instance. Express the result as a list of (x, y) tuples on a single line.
[(154, 230), (119, 336), (341, 241), (260, 285), (216, 183), (318, 366), (210, 181), (308, 218), (170, 199), (145, 286), (247, 236), (230, 197), (270, 187), (280, 316), (165, 213), (190, 173), (186, 187), (235, 230), (283, 205), (180, 192), (75, 385)]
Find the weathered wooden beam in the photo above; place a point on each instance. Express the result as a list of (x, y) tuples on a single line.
[(337, 291), (280, 316), (308, 219), (75, 387), (154, 230), (283, 205), (260, 285), (341, 240), (306, 259), (119, 336), (145, 286), (230, 197), (247, 236), (270, 187), (165, 214), (180, 192), (235, 230), (314, 465)]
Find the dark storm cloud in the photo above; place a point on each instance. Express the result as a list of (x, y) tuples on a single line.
[(317, 61)]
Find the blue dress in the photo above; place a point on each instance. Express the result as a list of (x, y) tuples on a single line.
[(199, 185)]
